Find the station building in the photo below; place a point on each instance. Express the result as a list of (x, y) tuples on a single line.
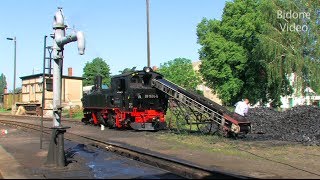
[(32, 88)]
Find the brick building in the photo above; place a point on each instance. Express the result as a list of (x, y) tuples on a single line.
[(207, 92)]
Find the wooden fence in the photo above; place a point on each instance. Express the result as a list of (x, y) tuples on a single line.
[(8, 100)]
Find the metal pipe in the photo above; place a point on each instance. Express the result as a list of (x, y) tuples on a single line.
[(14, 77), (59, 33), (148, 33), (43, 87), (81, 42), (79, 37), (61, 154), (64, 40), (14, 67)]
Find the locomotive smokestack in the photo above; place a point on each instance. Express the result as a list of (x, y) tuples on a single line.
[(98, 82)]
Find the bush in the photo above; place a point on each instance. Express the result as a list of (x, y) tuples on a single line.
[(75, 113)]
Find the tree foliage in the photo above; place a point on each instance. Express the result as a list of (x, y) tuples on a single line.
[(3, 82), (249, 53), (97, 66), (17, 90), (126, 70), (180, 72)]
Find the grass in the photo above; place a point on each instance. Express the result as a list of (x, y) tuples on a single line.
[(289, 153), (179, 123), (2, 110), (206, 143), (230, 108), (181, 136), (75, 113)]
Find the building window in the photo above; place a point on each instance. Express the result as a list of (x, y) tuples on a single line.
[(32, 88), (24, 89), (40, 87)]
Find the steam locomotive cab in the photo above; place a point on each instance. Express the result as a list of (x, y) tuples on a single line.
[(129, 102)]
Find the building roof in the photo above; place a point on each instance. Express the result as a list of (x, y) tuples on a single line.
[(196, 65), (40, 74)]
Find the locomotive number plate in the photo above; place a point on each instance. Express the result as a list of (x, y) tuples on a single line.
[(151, 96)]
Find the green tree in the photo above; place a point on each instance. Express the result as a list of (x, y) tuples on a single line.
[(3, 83), (180, 72), (17, 90), (286, 51), (97, 66), (251, 44), (224, 65), (126, 70)]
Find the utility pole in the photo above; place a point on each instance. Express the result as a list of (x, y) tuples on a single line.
[(148, 33), (14, 69)]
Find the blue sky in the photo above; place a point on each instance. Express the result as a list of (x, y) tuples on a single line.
[(115, 30)]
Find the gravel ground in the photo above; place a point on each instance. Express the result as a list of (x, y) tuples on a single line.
[(299, 124)]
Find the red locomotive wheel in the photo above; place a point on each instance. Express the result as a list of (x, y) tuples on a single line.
[(101, 119), (111, 122)]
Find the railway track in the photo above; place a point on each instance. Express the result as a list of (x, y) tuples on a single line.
[(178, 167)]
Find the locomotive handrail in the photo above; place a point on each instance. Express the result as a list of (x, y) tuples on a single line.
[(181, 97)]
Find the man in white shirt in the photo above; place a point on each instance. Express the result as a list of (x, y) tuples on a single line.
[(242, 107)]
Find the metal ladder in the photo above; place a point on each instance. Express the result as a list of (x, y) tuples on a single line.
[(46, 76)]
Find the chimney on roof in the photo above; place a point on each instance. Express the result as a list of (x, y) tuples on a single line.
[(155, 68), (5, 90), (69, 71)]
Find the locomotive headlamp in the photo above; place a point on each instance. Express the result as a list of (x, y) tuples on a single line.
[(147, 69), (235, 128)]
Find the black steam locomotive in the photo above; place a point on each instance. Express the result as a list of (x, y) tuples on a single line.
[(129, 102)]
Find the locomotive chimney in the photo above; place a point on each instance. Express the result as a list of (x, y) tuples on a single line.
[(69, 71), (98, 82)]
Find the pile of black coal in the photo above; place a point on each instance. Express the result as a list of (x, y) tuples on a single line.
[(299, 124)]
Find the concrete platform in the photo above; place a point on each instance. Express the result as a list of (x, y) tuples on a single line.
[(9, 167)]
